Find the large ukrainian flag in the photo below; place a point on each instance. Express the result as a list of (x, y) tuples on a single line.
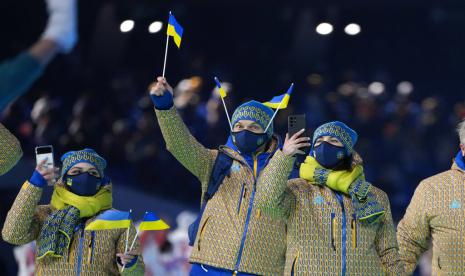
[(111, 219), (152, 222), (280, 101), (175, 30)]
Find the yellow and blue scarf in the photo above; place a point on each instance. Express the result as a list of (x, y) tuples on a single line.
[(351, 183), (55, 236)]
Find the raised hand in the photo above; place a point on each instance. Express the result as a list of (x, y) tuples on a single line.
[(158, 88), (49, 174), (293, 145)]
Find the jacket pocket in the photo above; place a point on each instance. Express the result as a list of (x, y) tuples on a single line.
[(333, 230), (241, 196), (294, 265), (90, 249), (202, 230)]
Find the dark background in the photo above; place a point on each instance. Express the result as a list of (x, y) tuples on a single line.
[(97, 96)]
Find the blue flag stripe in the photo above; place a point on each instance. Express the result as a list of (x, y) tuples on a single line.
[(172, 21)]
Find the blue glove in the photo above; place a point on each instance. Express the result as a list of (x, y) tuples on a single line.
[(37, 179), (163, 102)]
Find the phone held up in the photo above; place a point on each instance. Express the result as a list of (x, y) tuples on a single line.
[(294, 124), (46, 153)]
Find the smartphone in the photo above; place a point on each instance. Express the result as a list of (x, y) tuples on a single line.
[(294, 124), (46, 152)]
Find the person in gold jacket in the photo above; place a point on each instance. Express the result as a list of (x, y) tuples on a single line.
[(233, 237), (10, 150), (436, 213), (337, 222), (63, 246)]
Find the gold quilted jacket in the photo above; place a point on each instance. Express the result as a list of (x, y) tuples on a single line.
[(91, 253), (233, 233), (436, 212), (324, 237), (10, 150)]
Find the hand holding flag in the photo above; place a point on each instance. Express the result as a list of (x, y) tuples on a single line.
[(150, 222)]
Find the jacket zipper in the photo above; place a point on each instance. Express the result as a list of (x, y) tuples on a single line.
[(249, 212), (81, 246), (249, 209), (344, 233)]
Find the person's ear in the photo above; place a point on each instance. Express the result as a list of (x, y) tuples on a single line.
[(462, 148)]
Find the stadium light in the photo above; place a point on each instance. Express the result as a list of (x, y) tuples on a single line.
[(352, 29), (155, 27), (126, 26), (376, 88), (324, 28), (405, 88)]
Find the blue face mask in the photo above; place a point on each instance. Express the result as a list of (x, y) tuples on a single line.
[(329, 156), (83, 184), (247, 141)]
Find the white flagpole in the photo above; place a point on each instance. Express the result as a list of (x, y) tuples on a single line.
[(166, 51), (127, 235), (132, 245), (227, 114), (276, 112), (166, 54)]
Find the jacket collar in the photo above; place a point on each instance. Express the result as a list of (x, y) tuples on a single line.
[(459, 162), (229, 148)]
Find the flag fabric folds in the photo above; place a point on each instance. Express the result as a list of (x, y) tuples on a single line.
[(152, 222), (175, 30), (110, 219), (221, 90), (280, 101)]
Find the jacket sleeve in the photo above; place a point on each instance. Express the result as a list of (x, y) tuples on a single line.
[(185, 148), (16, 76), (273, 196), (10, 150), (138, 268), (413, 231), (386, 241), (23, 221)]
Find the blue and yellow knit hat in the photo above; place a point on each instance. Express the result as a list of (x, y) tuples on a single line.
[(339, 130), (87, 155), (254, 111)]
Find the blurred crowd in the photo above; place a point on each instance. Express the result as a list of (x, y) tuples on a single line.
[(403, 138)]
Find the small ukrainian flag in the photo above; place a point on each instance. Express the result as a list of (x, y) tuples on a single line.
[(175, 30), (152, 222), (281, 101), (111, 219), (221, 90)]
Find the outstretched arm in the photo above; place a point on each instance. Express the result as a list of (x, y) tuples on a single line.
[(187, 150)]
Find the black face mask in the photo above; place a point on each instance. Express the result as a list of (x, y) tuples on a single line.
[(247, 141), (83, 184), (330, 156)]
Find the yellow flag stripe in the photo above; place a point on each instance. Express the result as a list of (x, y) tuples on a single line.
[(153, 225), (172, 32), (108, 224)]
